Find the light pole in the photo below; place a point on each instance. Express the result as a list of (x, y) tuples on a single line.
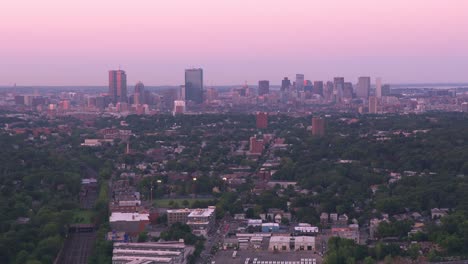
[(194, 186)]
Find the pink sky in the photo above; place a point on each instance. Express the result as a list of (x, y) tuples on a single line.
[(58, 42)]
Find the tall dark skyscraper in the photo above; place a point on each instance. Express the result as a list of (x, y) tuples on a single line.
[(118, 86), (285, 83), (263, 87), (318, 87), (139, 93), (194, 85), (363, 87)]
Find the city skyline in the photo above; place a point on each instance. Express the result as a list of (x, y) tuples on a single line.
[(236, 41)]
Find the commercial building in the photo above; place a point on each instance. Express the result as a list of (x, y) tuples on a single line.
[(179, 107), (373, 105), (149, 253), (300, 82), (194, 85), (139, 94), (378, 87), (177, 215), (350, 232), (201, 221), (318, 88), (338, 86), (263, 87), (348, 90), (285, 84), (256, 146), (291, 243), (363, 87), (318, 126), (262, 120), (132, 223), (118, 86)]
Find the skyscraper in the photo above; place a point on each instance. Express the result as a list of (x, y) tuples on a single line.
[(318, 87), (378, 87), (328, 92), (308, 86), (318, 126), (363, 87), (338, 86), (285, 83), (348, 90), (118, 86), (386, 90), (373, 105), (139, 94), (299, 82), (263, 87), (194, 85)]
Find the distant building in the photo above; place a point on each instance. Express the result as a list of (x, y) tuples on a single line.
[(179, 107), (290, 243), (132, 223), (177, 215), (338, 86), (139, 94), (263, 87), (181, 92), (318, 126), (308, 87), (149, 252), (270, 227), (118, 86), (348, 90), (350, 232), (202, 221), (285, 84), (378, 87), (439, 212), (262, 120), (464, 107), (386, 90), (363, 87), (256, 146), (373, 105), (194, 85), (318, 88), (300, 82)]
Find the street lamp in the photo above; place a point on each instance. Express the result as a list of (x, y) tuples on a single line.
[(194, 186)]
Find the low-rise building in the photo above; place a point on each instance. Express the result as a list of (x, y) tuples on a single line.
[(132, 223), (149, 252), (291, 243), (177, 215), (202, 221)]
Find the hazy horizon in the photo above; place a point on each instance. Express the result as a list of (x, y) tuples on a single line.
[(59, 43)]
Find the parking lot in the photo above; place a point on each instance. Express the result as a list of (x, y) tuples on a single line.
[(225, 257)]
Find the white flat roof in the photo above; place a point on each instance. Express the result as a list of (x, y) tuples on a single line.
[(201, 212), (129, 217)]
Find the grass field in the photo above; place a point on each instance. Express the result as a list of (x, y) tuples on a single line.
[(166, 203), (82, 217)]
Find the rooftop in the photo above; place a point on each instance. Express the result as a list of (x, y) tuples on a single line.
[(130, 217)]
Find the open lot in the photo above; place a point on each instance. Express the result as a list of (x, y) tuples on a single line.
[(225, 257)]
